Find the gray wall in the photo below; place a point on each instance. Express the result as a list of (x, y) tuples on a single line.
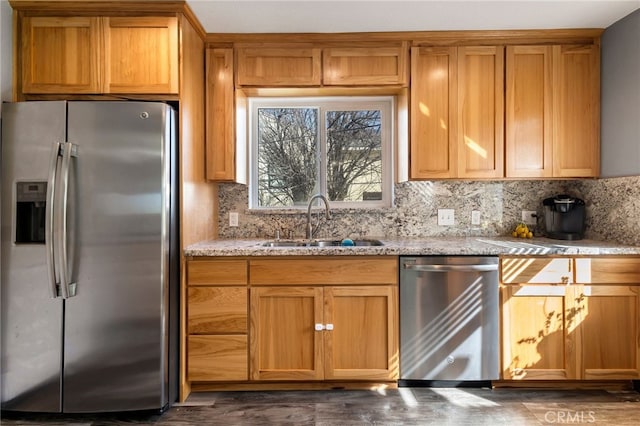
[(620, 97)]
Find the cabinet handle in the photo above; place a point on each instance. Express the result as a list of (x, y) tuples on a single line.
[(320, 327)]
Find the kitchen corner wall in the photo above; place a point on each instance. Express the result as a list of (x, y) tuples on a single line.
[(613, 210)]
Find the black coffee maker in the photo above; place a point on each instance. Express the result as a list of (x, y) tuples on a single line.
[(564, 217)]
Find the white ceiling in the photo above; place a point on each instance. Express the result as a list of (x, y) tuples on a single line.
[(284, 16)]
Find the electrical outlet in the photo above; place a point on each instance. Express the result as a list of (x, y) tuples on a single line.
[(233, 218), (446, 217), (475, 217), (529, 217)]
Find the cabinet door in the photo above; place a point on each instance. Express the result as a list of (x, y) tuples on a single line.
[(221, 145), (576, 110), (361, 340), (539, 332), (141, 55), (528, 111), (610, 332), (365, 66), (284, 344), (61, 55), (480, 112), (279, 66), (433, 112)]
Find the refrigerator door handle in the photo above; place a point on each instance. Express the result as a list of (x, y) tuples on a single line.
[(49, 220), (68, 288)]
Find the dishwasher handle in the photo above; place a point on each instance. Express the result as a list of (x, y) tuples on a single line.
[(451, 268)]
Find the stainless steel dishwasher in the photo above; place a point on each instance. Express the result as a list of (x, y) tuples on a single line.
[(448, 320)]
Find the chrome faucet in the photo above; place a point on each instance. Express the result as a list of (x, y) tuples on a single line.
[(310, 230)]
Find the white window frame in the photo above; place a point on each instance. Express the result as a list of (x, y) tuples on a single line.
[(386, 106)]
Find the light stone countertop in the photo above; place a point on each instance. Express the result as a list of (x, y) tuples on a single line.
[(417, 246)]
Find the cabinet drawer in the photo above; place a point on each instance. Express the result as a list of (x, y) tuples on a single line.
[(217, 272), (608, 270), (217, 310), (531, 270), (217, 358), (325, 271)]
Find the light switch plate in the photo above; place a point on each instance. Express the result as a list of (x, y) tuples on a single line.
[(475, 217), (446, 217), (233, 218)]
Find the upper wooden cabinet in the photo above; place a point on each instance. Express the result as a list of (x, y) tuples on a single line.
[(576, 106), (59, 55), (552, 111), (529, 111), (221, 142), (141, 55), (433, 112), (93, 55), (549, 111), (312, 66), (365, 65), (278, 66), (457, 112), (480, 112)]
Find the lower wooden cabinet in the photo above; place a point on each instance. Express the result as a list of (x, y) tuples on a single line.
[(217, 320), (286, 319), (588, 330), (609, 332), (537, 332), (324, 333)]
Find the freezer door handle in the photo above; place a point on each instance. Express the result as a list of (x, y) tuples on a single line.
[(67, 288), (49, 220), (451, 268)]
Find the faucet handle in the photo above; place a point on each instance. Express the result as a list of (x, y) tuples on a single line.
[(277, 234)]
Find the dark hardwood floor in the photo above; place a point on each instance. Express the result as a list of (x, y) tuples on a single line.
[(403, 406)]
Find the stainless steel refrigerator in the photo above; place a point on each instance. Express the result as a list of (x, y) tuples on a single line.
[(89, 267)]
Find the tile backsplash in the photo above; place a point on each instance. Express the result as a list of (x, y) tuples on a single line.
[(613, 207)]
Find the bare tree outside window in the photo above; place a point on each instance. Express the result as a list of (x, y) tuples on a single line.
[(304, 150), (354, 155), (287, 155)]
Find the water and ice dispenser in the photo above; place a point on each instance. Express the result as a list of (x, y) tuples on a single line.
[(30, 212)]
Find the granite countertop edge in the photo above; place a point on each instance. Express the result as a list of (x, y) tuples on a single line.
[(408, 246)]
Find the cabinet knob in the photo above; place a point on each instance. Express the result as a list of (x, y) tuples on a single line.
[(329, 327), (319, 327)]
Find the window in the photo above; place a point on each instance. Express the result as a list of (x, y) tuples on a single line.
[(339, 147)]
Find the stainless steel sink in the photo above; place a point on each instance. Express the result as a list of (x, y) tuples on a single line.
[(321, 243)]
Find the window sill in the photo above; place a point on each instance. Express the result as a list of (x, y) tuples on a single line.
[(302, 210)]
